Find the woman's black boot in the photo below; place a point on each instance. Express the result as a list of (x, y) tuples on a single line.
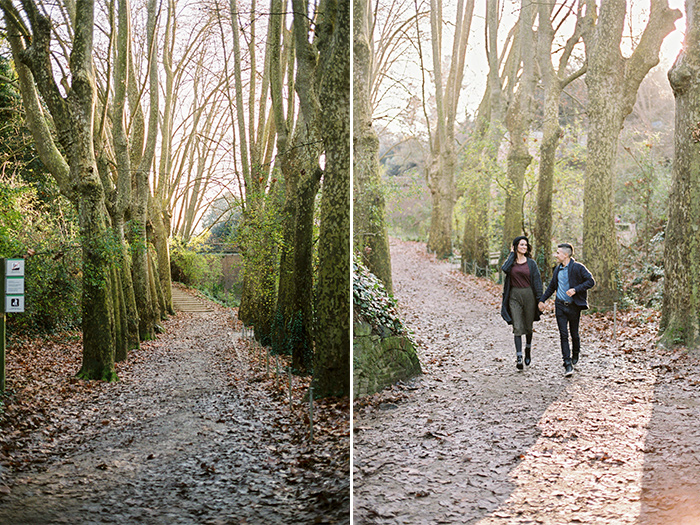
[(528, 358), (518, 352)]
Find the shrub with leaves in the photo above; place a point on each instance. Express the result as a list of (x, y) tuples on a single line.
[(46, 235), (11, 218), (190, 266), (372, 304)]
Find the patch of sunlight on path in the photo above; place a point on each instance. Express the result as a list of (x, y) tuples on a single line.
[(587, 465)]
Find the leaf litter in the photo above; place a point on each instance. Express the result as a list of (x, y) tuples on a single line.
[(195, 431), (473, 440)]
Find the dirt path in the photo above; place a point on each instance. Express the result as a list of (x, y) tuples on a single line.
[(187, 436), (476, 441)]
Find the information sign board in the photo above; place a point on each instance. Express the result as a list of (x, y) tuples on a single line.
[(14, 267), (14, 285), (14, 304)]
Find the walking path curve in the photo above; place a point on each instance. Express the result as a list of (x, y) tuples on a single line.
[(474, 440)]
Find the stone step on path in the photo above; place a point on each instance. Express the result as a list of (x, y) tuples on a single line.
[(184, 302)]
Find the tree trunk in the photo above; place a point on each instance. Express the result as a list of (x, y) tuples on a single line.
[(369, 218), (600, 249), (518, 120), (120, 321), (612, 83), (518, 161), (140, 270), (293, 317), (475, 243), (298, 160), (332, 337), (131, 316), (97, 241), (156, 292), (442, 193), (554, 82), (146, 299), (160, 241), (443, 159), (287, 285), (123, 160), (542, 234), (477, 181), (301, 331), (260, 265), (680, 321), (260, 216)]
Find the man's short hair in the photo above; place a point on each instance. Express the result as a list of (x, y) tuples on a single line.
[(567, 247)]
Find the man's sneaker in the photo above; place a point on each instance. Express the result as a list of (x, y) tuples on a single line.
[(574, 358), (569, 370), (519, 363)]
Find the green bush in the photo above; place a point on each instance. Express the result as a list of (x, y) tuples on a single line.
[(373, 305), (11, 218), (53, 293), (189, 266), (202, 271), (47, 239)]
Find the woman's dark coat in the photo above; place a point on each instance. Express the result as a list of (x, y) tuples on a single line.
[(535, 283)]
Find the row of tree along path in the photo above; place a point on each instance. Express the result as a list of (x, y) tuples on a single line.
[(474, 440)]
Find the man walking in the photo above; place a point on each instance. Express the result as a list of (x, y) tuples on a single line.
[(570, 280)]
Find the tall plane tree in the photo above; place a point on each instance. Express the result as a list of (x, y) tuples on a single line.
[(518, 120), (253, 149), (612, 81), (142, 154), (77, 174), (443, 158), (554, 81), (332, 337), (486, 141), (369, 225), (294, 56), (680, 321)]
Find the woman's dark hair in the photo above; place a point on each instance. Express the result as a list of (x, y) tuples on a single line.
[(517, 240)]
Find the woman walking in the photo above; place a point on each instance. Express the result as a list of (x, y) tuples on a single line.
[(521, 290)]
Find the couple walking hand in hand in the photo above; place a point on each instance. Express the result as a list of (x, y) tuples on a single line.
[(524, 301)]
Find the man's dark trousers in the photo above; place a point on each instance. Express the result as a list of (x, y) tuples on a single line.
[(568, 317)]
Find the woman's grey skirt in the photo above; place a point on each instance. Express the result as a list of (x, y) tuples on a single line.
[(522, 310)]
